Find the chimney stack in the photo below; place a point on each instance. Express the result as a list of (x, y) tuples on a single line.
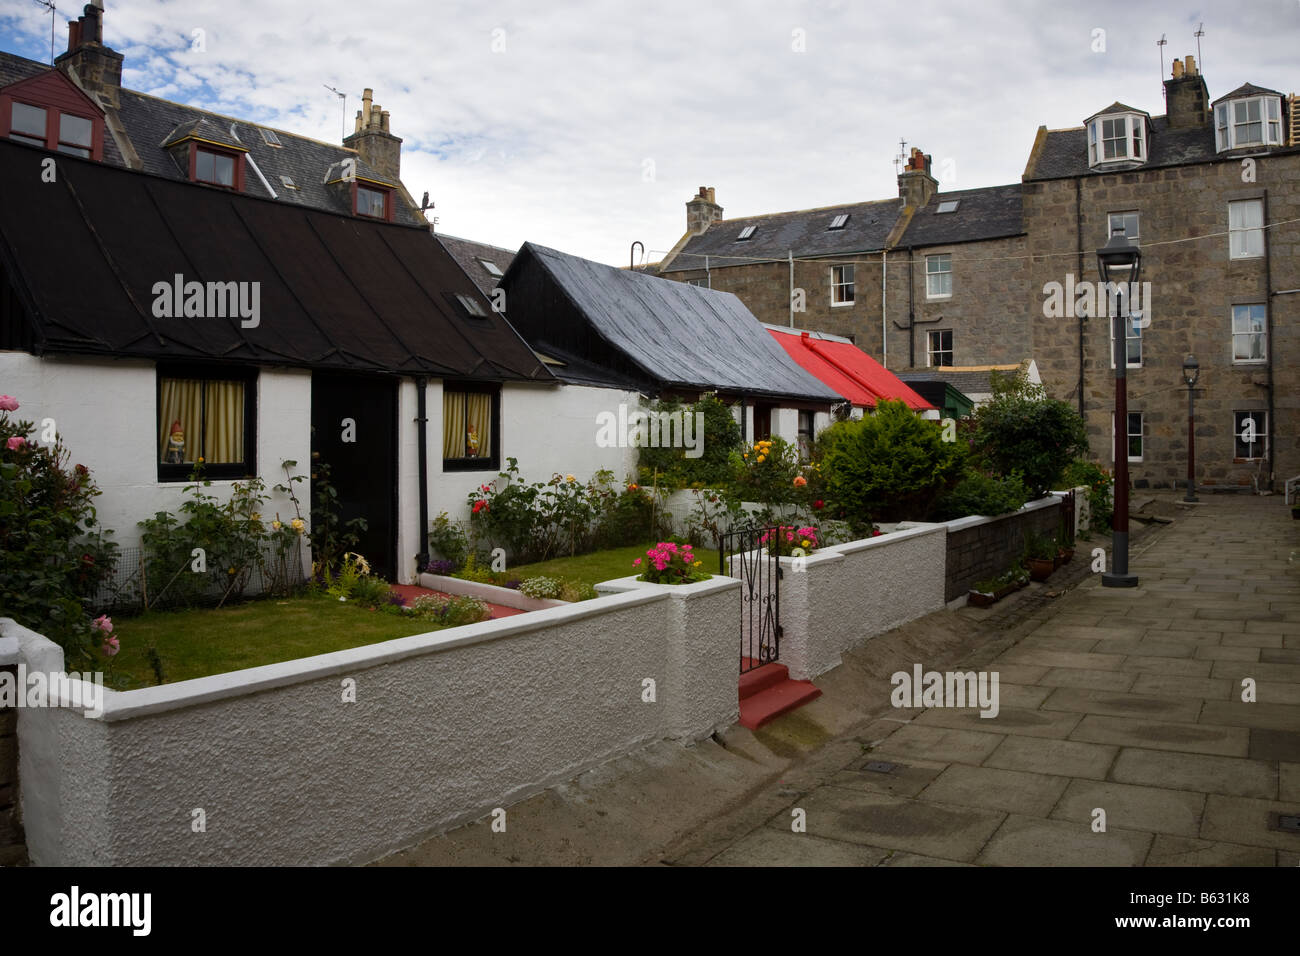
[(702, 211), (97, 68), (378, 148), (915, 184), (1187, 100)]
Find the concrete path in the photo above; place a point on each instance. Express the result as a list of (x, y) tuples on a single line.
[(1127, 702)]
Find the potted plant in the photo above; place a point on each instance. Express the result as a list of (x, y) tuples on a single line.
[(1040, 553), (991, 590)]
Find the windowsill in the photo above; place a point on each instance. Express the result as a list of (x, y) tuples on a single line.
[(938, 298), (1233, 258), (1258, 361), (842, 305), (470, 464)]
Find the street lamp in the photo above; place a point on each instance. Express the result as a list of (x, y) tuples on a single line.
[(1191, 372), (1120, 262)]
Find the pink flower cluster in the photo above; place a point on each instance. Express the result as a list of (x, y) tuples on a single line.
[(663, 553), (104, 623)]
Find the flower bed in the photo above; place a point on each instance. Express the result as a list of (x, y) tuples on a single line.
[(493, 594)]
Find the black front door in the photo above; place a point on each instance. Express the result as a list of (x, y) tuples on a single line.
[(354, 428)]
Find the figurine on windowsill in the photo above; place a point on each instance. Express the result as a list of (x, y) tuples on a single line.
[(471, 443), (175, 454)]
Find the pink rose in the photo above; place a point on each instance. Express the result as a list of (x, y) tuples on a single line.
[(636, 563), (16, 442), (104, 623), (110, 647), (8, 403)]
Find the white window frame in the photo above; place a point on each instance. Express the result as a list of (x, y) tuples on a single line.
[(842, 290), (1260, 335), (947, 205), (939, 259), (1261, 433), (490, 267), (1246, 241), (1133, 236), (1130, 335), (931, 351), (1227, 122), (746, 233), (840, 221), (1129, 435), (1133, 139)]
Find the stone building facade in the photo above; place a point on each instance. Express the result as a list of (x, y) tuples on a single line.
[(1212, 192)]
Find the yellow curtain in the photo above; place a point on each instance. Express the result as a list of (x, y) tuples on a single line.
[(223, 426), (453, 424), (478, 411), (181, 401)]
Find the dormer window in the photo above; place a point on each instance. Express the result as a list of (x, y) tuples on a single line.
[(27, 124), (217, 169), (948, 205), (492, 268), (1115, 138), (1252, 121), (51, 128), (840, 221), (746, 233), (372, 202)]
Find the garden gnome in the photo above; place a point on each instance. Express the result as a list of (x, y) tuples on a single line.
[(175, 445)]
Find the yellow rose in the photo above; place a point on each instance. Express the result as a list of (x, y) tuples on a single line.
[(276, 525), (697, 564), (803, 543), (761, 459)]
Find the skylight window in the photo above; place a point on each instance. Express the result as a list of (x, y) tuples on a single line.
[(746, 233), (471, 305), (839, 221), (492, 268), (288, 182), (270, 138), (948, 205)]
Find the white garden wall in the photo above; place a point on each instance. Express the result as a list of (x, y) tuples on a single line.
[(446, 726)]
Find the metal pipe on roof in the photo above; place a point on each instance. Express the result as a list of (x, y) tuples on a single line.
[(790, 253), (884, 312)]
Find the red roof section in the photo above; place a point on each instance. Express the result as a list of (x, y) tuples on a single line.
[(849, 370)]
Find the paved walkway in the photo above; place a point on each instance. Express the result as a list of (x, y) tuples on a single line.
[(1123, 701), (1127, 702)]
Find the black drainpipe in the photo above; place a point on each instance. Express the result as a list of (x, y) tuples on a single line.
[(1268, 337), (1078, 231), (911, 311), (422, 420)]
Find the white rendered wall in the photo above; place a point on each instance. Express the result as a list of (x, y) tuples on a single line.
[(106, 413)]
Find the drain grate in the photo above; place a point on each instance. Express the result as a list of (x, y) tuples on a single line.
[(1287, 823), (880, 766)]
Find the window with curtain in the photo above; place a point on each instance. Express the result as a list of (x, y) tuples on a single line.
[(208, 416), (469, 432)]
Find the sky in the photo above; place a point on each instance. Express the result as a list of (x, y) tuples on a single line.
[(587, 125)]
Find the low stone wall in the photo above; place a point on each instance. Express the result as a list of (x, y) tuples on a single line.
[(979, 547), (12, 849), (282, 770)]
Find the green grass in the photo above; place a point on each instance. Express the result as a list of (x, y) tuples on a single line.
[(602, 565), (198, 643)]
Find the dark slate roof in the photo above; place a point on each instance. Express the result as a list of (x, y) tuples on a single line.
[(994, 212), (1246, 89), (467, 252), (1065, 151), (967, 381), (336, 292), (14, 68), (681, 336), (1118, 107), (804, 232), (150, 122)]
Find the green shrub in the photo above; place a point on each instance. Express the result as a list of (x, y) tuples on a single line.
[(577, 591), (1022, 430), (448, 539), (1099, 483), (670, 467), (979, 493), (888, 466), (450, 611)]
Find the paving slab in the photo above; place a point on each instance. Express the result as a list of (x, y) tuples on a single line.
[(1038, 655), (1221, 652), (1201, 688), (1234, 713), (1273, 655), (1088, 679), (1246, 821), (1045, 755), (1160, 735), (1027, 841), (1166, 667), (1009, 720), (906, 780), (1110, 703), (1016, 791), (1270, 744), (895, 823), (1181, 851), (942, 744), (1235, 671), (1289, 782), (1231, 776), (1132, 807), (769, 847)]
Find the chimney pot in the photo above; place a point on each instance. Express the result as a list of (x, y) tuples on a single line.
[(384, 119), (1178, 69), (1191, 65), (712, 196), (74, 34)]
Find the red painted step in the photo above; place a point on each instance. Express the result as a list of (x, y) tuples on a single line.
[(767, 692)]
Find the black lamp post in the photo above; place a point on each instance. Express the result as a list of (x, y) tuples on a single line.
[(1191, 372), (1120, 262)]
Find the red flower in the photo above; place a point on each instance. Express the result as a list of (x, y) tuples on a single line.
[(818, 504), (480, 506)]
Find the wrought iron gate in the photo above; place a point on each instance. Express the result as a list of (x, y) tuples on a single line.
[(744, 554)]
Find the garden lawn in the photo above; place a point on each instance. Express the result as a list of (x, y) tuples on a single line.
[(198, 643), (603, 565)]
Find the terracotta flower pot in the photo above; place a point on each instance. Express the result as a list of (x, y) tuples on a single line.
[(1040, 569)]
